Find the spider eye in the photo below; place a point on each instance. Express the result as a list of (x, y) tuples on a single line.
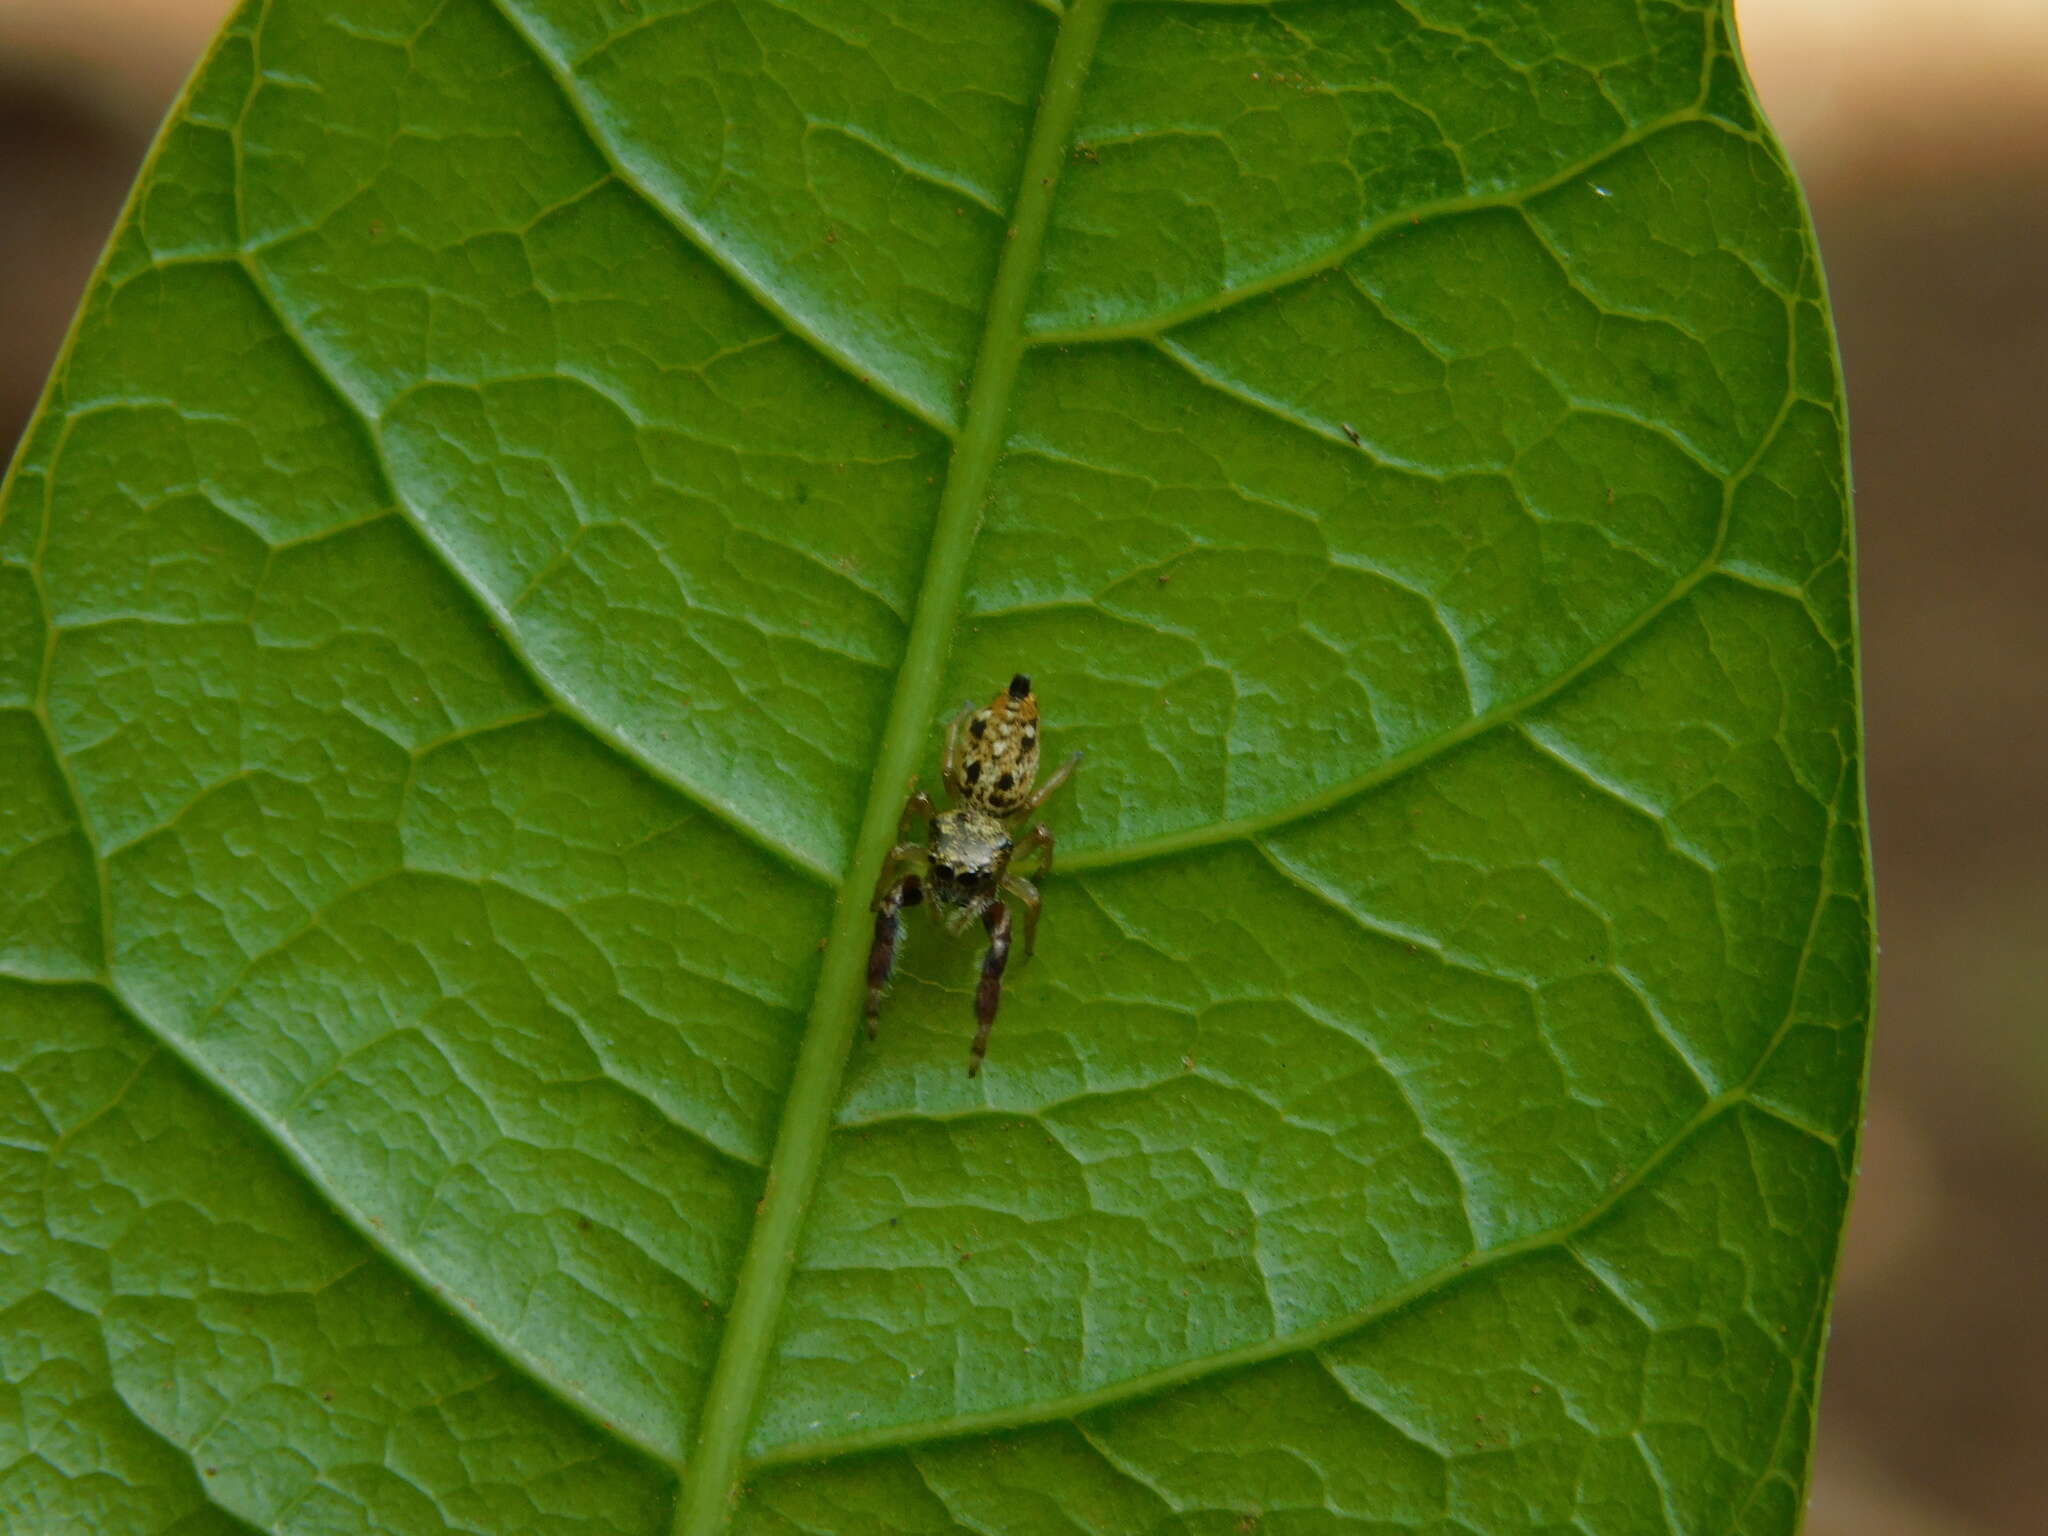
[(970, 877), (942, 871)]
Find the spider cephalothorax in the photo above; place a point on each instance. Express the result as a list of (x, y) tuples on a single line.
[(964, 865), (991, 778)]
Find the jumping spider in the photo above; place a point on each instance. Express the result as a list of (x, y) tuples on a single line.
[(967, 862)]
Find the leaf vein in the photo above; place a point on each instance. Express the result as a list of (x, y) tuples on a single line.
[(501, 619), (753, 284), (1154, 327)]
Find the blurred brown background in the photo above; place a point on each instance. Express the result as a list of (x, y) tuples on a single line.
[(1921, 129)]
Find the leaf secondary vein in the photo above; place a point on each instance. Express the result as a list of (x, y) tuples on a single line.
[(1508, 712), (730, 1402), (684, 223), (1155, 326)]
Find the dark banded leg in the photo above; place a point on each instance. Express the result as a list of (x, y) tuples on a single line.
[(989, 995), (907, 892)]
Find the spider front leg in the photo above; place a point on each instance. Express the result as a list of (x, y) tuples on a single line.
[(890, 900), (905, 851), (989, 995), (919, 804)]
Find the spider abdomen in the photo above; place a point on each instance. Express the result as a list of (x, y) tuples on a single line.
[(1001, 751)]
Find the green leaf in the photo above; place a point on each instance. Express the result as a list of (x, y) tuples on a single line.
[(527, 486)]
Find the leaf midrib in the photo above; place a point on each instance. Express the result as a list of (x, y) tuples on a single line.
[(730, 1402)]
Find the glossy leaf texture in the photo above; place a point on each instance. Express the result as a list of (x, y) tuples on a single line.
[(528, 484)]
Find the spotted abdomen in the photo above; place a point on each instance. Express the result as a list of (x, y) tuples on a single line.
[(1000, 753)]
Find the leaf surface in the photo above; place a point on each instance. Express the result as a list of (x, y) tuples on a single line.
[(529, 483)]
